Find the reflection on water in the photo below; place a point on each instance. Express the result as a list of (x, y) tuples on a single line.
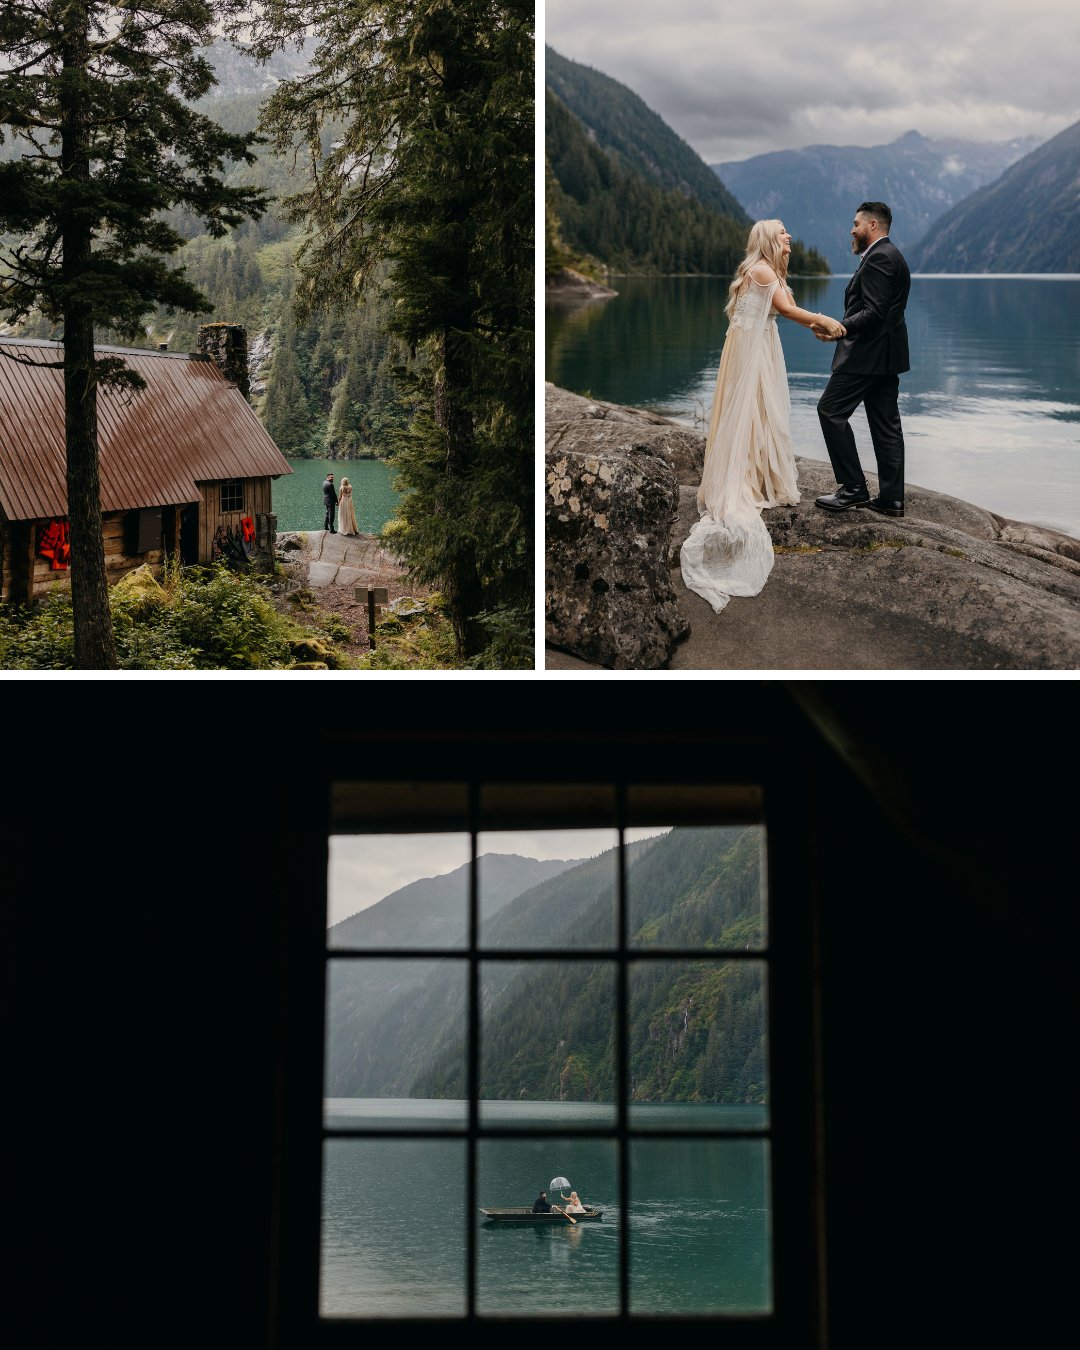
[(991, 407), (395, 1213)]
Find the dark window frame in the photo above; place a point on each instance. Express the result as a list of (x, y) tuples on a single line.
[(233, 487), (794, 1131)]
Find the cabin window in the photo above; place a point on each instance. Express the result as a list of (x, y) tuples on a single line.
[(232, 495), (607, 982)]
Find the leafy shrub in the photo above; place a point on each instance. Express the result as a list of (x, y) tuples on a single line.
[(201, 619)]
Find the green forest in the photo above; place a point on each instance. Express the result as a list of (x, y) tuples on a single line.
[(324, 388), (604, 209), (696, 1028), (626, 194)]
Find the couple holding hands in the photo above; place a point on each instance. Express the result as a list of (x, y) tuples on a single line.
[(749, 459)]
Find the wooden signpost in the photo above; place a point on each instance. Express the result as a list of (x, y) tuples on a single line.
[(374, 596)]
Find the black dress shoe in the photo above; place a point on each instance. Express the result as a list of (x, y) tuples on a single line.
[(884, 507), (844, 499)]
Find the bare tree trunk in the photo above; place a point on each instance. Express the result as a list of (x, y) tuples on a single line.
[(94, 646), (464, 592)]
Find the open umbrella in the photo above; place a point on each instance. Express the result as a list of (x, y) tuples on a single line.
[(557, 1183)]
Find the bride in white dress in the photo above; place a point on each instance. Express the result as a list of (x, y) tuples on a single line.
[(749, 461)]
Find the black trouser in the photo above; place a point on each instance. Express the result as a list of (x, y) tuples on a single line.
[(878, 394), (329, 522)]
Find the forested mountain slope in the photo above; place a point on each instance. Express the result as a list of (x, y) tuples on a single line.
[(696, 1027)]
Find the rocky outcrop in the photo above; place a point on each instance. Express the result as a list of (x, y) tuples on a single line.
[(611, 502), (569, 284), (948, 587)]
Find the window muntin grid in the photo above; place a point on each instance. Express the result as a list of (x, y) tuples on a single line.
[(232, 494), (627, 809)]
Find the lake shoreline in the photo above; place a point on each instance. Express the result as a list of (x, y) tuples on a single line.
[(990, 408), (949, 586)]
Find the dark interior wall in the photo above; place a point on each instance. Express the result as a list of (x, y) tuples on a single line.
[(947, 883), (147, 1024)]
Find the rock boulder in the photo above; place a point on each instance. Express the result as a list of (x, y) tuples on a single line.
[(611, 502)]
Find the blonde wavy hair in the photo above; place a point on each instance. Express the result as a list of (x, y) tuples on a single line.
[(762, 246)]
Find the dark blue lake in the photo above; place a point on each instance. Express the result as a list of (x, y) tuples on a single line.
[(991, 407)]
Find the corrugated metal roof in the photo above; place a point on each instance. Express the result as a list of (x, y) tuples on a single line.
[(189, 425)]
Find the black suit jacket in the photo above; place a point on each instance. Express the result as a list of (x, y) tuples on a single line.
[(877, 341), (329, 492)]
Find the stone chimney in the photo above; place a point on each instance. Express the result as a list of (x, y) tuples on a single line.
[(226, 345)]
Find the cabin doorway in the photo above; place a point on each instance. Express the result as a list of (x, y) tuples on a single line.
[(189, 533)]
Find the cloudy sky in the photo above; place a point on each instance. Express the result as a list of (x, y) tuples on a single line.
[(365, 868), (736, 80)]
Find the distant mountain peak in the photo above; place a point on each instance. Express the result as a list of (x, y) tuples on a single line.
[(815, 189)]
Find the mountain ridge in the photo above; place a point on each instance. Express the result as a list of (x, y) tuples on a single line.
[(696, 1027), (1024, 221), (816, 188)]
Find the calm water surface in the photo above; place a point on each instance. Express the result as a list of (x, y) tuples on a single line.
[(298, 500), (394, 1215), (991, 407)]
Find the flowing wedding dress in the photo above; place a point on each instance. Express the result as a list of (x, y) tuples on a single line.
[(749, 460), (346, 522)]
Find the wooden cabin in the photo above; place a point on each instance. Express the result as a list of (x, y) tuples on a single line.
[(182, 463)]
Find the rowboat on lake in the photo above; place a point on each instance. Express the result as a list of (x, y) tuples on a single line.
[(524, 1214)]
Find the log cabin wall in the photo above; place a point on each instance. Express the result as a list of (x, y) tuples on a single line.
[(28, 576), (256, 501), (118, 562)]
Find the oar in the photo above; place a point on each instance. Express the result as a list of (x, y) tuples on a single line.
[(563, 1213)]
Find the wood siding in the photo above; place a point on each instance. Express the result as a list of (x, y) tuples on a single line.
[(256, 502), (26, 575)]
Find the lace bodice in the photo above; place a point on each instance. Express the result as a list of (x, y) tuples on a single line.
[(754, 307)]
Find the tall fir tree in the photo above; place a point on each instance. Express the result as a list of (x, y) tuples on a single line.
[(98, 97), (286, 412), (432, 171)]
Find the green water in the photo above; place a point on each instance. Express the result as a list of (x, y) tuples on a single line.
[(298, 498), (394, 1216), (991, 406)]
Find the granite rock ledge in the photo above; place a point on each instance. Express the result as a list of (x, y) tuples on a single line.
[(951, 586)]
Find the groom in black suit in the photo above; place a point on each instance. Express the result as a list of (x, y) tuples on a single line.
[(867, 366)]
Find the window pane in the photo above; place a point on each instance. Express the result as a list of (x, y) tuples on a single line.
[(548, 888), (393, 1228), (694, 803), (692, 886), (699, 1229), (699, 1226), (395, 1029), (697, 1045), (381, 807), (548, 1265), (398, 890), (529, 806), (547, 1043)]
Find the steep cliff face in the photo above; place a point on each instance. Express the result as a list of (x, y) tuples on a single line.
[(1026, 221), (696, 1027), (948, 587)]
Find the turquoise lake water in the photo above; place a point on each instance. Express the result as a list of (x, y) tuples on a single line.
[(394, 1215), (991, 407), (298, 500)]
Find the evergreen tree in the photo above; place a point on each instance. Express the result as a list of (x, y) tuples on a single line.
[(344, 432), (98, 97), (286, 414), (432, 172)]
